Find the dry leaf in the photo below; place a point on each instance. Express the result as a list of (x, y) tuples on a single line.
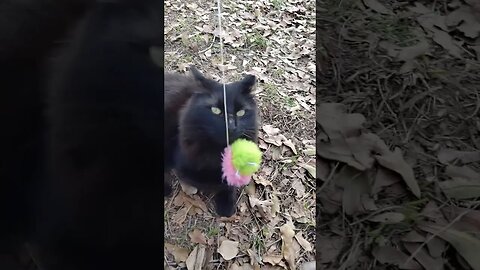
[(409, 53), (391, 255), (228, 249), (446, 156), (355, 184), (180, 216), (464, 184), (469, 221), (470, 25), (180, 254), (335, 122), (377, 6), (330, 248), (308, 266), (465, 244), (299, 188), (446, 41), (272, 259), (310, 169), (196, 236), (196, 259), (395, 162), (288, 250), (413, 236), (290, 145), (424, 258), (388, 218), (384, 178), (304, 243), (270, 130), (436, 246)]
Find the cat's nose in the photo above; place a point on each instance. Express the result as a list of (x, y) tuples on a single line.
[(232, 124)]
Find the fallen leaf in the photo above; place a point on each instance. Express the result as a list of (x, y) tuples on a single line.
[(384, 178), (288, 250), (335, 122), (395, 162), (469, 221), (272, 259), (196, 259), (464, 184), (424, 258), (465, 244), (275, 205), (180, 254), (228, 249), (290, 145), (304, 243), (308, 266), (436, 246), (180, 216), (470, 25), (270, 130), (446, 41), (196, 236), (310, 169), (355, 184), (388, 218), (323, 169), (391, 255), (377, 6), (330, 248), (446, 156), (413, 236), (409, 53), (419, 8), (299, 188), (357, 151)]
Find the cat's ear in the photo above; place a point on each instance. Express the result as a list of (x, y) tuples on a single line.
[(198, 76), (248, 84)]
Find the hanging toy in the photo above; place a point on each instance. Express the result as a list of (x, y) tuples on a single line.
[(240, 161)]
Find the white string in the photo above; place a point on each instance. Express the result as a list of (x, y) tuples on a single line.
[(223, 69)]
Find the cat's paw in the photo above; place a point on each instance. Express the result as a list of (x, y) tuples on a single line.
[(225, 204)]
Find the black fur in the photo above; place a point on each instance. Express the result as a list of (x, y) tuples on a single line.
[(100, 205), (29, 31), (199, 135)]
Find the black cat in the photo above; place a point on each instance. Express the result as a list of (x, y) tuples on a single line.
[(30, 30), (99, 204), (195, 135)]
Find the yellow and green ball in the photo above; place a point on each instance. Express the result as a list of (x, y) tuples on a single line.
[(246, 156)]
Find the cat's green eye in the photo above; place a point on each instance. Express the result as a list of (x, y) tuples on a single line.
[(216, 110), (241, 113)]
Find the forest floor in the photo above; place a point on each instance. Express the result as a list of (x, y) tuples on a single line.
[(398, 134), (274, 226)]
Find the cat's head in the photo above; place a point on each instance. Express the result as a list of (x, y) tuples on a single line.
[(203, 118)]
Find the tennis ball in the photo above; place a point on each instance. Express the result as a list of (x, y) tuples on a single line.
[(246, 156)]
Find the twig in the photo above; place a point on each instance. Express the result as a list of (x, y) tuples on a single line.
[(436, 234)]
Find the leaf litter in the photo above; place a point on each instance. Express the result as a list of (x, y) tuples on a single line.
[(274, 40), (398, 134)]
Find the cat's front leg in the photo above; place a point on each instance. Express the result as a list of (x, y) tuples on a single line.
[(225, 201)]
